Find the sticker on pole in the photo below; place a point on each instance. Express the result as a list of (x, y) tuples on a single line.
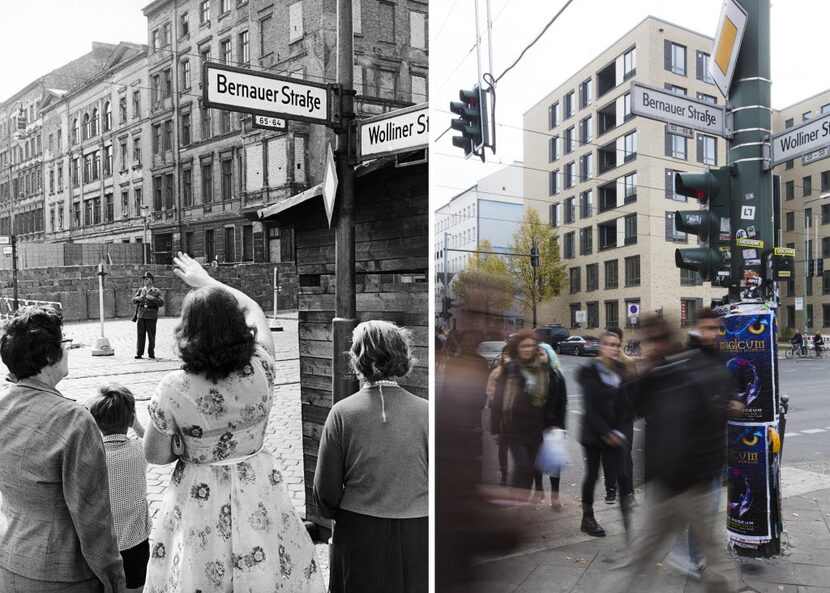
[(727, 44)]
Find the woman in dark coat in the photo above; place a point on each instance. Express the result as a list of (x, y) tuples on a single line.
[(524, 405), (556, 411), (603, 426)]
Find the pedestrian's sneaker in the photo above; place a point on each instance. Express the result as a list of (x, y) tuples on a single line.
[(610, 497), (684, 565)]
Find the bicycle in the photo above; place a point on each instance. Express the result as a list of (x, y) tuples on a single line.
[(800, 351), (632, 348)]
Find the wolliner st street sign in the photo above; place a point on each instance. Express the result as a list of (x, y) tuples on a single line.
[(259, 93), (805, 138), (393, 132), (667, 107)]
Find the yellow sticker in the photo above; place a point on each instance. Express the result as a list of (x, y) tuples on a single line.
[(750, 243), (787, 251)]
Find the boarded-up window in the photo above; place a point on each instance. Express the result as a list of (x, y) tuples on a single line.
[(417, 30), (299, 160), (295, 22), (277, 162), (253, 168), (357, 20), (386, 84)]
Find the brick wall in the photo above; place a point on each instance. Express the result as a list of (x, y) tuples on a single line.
[(76, 287)]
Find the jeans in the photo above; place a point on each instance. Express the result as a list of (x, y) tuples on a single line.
[(608, 467), (593, 455), (524, 461)]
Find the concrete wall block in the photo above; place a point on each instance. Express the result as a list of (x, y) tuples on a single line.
[(173, 302), (74, 306), (92, 304), (124, 306)]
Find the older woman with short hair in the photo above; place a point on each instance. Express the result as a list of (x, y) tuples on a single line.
[(372, 471), (56, 529)]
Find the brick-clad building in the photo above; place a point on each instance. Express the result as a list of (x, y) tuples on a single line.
[(22, 150)]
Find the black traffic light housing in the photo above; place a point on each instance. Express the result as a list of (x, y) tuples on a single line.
[(713, 225), (811, 271), (472, 121), (819, 266), (534, 257)]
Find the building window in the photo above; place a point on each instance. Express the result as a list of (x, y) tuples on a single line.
[(224, 7), (225, 51), (210, 249), (707, 98), (672, 234), (631, 229), (244, 48), (204, 12), (585, 93), (109, 208), (295, 22), (123, 152), (568, 175), (186, 74), (169, 191), (702, 67), (137, 151), (553, 115), (575, 276), (156, 138), (185, 129), (612, 274), (677, 90), (224, 121), (137, 200), (789, 190), (167, 139), (630, 146), (136, 104), (553, 182), (569, 105), (205, 123), (807, 185), (247, 243), (629, 63), (207, 182), (592, 318), (417, 30), (632, 271), (553, 149), (586, 167), (676, 146), (107, 116), (789, 221), (230, 244), (264, 24), (158, 193), (227, 179), (825, 179), (187, 187), (570, 211), (184, 25), (554, 215), (586, 243), (568, 247), (612, 313), (586, 130), (592, 277), (586, 204), (690, 278), (155, 42), (107, 161), (630, 187), (125, 204), (675, 58), (707, 150), (575, 308), (570, 140)]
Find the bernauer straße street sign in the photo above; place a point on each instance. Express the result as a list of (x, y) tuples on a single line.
[(669, 107), (260, 93)]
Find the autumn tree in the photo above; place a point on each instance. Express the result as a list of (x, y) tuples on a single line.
[(538, 284), (484, 284)]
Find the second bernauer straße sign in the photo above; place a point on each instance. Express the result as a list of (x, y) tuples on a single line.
[(238, 89)]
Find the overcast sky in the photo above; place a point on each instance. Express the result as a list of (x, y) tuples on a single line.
[(38, 36), (584, 30)]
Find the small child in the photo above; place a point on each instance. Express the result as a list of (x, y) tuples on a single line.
[(114, 412)]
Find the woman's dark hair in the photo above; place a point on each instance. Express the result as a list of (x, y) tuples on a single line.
[(113, 409), (31, 341), (213, 337), (381, 350), (518, 338)]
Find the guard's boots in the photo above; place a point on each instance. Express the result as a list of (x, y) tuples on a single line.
[(589, 524)]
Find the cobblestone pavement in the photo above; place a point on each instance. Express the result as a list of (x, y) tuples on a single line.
[(284, 434)]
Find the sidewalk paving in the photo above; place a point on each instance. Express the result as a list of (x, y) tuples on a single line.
[(558, 558), (284, 434)]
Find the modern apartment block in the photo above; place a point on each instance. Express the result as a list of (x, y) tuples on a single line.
[(805, 216), (603, 178), (118, 147), (491, 210)]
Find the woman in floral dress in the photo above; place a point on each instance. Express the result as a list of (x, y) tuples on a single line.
[(228, 523)]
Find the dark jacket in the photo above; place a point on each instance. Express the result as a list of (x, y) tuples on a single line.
[(148, 301), (528, 421), (606, 408), (685, 402)]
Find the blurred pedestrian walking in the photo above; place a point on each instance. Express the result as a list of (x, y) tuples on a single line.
[(555, 412), (604, 420), (686, 399), (493, 382)]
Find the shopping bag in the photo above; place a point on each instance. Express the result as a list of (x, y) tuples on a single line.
[(553, 452)]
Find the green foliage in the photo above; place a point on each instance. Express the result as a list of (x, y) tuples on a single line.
[(540, 284), (484, 285)]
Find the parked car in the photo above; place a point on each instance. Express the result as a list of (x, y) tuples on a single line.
[(552, 334), (578, 345), (490, 351)]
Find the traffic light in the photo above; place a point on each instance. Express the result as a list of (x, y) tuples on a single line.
[(811, 271), (819, 266), (534, 257), (712, 225), (472, 121)]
